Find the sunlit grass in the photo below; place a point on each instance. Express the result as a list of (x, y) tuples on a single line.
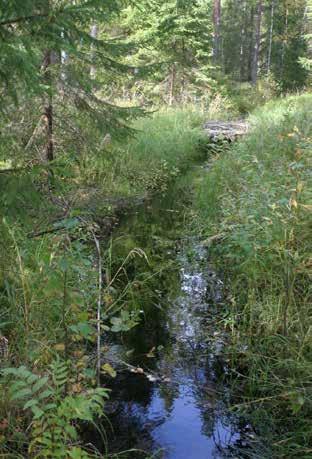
[(5, 164), (163, 146), (259, 197)]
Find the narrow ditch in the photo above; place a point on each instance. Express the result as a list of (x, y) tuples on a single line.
[(170, 398)]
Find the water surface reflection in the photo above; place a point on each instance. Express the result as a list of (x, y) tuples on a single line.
[(183, 415)]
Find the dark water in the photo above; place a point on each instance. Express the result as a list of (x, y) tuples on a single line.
[(179, 407)]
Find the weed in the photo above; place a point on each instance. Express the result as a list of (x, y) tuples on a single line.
[(258, 195)]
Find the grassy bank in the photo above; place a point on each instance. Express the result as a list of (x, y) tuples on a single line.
[(257, 197), (163, 147), (49, 278), (41, 227)]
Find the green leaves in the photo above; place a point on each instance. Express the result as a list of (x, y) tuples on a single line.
[(21, 394), (84, 330), (78, 453), (108, 369), (68, 224), (124, 322), (40, 383), (32, 402), (297, 402), (54, 431), (59, 370)]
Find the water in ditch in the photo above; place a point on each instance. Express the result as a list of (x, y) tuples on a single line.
[(170, 398)]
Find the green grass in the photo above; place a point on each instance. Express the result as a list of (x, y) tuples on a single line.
[(258, 196), (49, 280), (163, 146)]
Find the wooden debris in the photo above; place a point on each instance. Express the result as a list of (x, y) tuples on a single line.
[(225, 130)]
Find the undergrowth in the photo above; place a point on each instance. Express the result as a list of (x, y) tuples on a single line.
[(57, 273), (163, 147), (257, 199)]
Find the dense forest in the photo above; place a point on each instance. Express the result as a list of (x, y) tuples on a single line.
[(155, 249)]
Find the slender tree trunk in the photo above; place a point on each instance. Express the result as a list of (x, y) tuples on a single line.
[(271, 37), (49, 130), (99, 311), (242, 43), (183, 77), (284, 40), (250, 42), (256, 51), (48, 108), (182, 92), (64, 59), (217, 29), (94, 34), (172, 85)]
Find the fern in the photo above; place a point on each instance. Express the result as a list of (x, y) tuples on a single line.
[(54, 431)]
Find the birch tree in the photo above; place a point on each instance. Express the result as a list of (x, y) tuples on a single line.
[(257, 40)]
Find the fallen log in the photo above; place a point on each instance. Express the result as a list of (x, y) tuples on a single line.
[(225, 130)]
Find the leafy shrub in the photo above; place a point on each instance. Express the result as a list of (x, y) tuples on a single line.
[(54, 414)]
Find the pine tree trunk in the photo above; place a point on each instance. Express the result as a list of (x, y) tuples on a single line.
[(217, 29), (256, 51), (271, 37), (48, 108)]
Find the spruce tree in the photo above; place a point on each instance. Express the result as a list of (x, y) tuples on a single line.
[(176, 33), (306, 60), (47, 49)]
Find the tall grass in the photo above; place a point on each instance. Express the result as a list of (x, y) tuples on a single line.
[(258, 196), (164, 145), (49, 280)]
